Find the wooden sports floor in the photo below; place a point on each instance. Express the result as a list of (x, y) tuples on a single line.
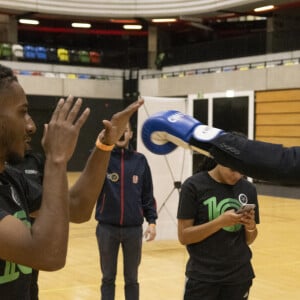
[(276, 260)]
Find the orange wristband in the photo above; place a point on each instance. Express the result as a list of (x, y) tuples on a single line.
[(104, 147)]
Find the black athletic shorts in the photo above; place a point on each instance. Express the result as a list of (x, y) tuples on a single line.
[(195, 290)]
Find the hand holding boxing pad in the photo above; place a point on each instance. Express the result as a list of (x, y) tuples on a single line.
[(164, 131)]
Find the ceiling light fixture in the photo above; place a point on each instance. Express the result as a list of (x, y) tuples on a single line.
[(264, 8), (132, 27), (169, 20), (29, 21), (81, 25)]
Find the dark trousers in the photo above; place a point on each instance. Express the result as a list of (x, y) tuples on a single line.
[(195, 290), (109, 240)]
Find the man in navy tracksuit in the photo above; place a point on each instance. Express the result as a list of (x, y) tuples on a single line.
[(125, 200)]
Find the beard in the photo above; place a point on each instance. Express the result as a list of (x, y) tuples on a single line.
[(7, 143)]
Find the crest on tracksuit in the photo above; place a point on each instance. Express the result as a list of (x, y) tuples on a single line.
[(114, 177), (135, 179)]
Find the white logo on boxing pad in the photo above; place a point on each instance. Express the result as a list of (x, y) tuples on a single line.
[(205, 133), (175, 117)]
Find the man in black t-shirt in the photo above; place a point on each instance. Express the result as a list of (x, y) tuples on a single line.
[(43, 245), (216, 236), (32, 166)]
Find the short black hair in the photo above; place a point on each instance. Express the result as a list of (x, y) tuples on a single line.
[(206, 164), (7, 76)]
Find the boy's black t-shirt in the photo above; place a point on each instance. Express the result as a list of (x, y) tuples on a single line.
[(224, 256)]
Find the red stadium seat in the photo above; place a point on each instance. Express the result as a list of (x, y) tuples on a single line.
[(95, 57)]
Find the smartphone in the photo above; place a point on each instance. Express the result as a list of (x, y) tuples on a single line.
[(245, 208)]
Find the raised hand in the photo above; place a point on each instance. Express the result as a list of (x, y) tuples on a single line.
[(61, 133), (116, 126)]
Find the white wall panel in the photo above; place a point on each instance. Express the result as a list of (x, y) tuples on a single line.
[(166, 169)]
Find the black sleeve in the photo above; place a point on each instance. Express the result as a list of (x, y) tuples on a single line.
[(260, 160), (187, 207), (3, 213), (29, 190)]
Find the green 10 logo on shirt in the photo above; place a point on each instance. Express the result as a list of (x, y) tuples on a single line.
[(216, 209)]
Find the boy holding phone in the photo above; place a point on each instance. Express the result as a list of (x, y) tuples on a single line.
[(216, 234)]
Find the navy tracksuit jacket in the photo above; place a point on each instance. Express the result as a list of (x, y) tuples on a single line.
[(127, 194)]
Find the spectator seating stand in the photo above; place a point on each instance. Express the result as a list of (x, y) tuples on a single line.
[(17, 52), (84, 56), (52, 55), (5, 51), (29, 52), (41, 53), (63, 55), (95, 57)]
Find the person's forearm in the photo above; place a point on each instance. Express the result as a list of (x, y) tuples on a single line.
[(51, 227), (85, 192), (251, 235), (198, 233)]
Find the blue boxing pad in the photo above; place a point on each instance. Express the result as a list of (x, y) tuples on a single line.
[(164, 131)]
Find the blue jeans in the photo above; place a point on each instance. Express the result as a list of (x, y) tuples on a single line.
[(109, 240)]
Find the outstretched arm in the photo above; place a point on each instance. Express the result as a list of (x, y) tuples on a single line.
[(166, 130), (84, 193), (260, 160)]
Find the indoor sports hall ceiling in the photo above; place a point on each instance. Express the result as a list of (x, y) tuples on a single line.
[(197, 21), (135, 8)]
